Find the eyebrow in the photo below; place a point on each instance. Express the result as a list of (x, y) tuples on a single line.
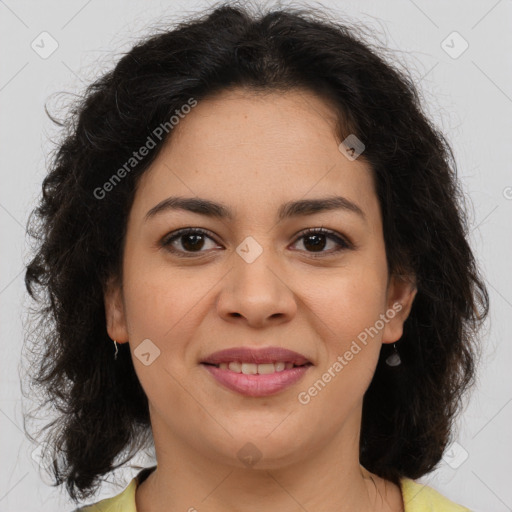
[(287, 210)]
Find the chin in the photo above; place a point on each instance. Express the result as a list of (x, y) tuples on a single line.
[(256, 450)]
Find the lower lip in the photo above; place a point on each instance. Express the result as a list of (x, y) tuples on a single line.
[(257, 385)]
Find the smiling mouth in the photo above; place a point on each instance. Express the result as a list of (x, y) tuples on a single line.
[(257, 379), (257, 369)]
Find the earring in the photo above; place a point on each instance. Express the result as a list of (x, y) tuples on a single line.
[(394, 358), (115, 354)]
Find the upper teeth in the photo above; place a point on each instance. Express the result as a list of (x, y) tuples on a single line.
[(253, 369)]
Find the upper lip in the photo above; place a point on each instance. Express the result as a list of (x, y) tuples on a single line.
[(256, 356)]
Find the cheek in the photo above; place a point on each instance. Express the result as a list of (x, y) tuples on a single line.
[(350, 301), (166, 306), (160, 307), (157, 297), (348, 315)]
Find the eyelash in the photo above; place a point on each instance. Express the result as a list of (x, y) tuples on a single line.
[(168, 239)]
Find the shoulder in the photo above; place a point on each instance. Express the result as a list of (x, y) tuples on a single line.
[(123, 502), (422, 498)]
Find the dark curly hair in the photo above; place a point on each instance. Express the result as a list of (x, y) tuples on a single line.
[(101, 410)]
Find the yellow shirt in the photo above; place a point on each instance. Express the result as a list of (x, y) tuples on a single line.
[(417, 498)]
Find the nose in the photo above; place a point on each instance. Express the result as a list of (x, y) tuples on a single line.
[(256, 293)]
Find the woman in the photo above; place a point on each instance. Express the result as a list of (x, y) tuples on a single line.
[(253, 254)]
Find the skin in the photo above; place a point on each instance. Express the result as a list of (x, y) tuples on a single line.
[(252, 153)]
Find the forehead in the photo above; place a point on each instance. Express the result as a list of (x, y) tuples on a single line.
[(254, 149), (259, 118)]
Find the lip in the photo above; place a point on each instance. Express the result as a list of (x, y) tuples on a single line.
[(257, 385), (257, 356)]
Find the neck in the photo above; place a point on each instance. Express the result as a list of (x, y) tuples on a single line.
[(327, 477)]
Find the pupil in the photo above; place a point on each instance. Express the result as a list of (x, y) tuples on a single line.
[(317, 246), (193, 246)]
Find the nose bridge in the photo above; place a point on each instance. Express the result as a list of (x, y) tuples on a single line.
[(256, 266), (257, 289)]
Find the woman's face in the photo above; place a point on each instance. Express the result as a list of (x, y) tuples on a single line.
[(255, 281)]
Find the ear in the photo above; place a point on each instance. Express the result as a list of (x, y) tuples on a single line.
[(400, 296), (115, 311)]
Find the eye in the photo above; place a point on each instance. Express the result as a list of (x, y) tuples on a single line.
[(190, 240), (315, 240)]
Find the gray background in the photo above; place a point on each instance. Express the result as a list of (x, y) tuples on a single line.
[(469, 96)]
